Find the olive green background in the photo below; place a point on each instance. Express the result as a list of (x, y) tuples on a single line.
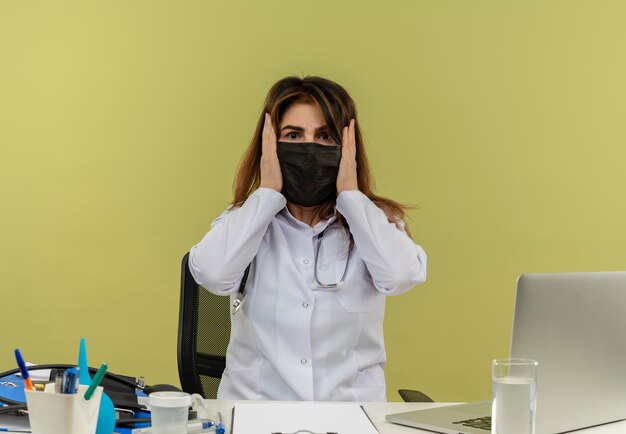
[(121, 124)]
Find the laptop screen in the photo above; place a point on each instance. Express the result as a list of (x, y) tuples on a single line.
[(573, 324)]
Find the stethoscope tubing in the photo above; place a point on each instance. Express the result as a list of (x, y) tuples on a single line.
[(109, 375), (241, 293)]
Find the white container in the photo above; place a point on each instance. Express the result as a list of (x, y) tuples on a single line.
[(170, 412), (57, 413)]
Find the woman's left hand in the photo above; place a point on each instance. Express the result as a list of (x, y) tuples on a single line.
[(346, 178)]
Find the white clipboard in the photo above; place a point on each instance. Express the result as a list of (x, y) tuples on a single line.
[(290, 417)]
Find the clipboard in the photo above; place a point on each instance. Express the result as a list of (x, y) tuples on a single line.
[(291, 417)]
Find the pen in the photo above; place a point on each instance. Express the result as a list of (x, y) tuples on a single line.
[(219, 427), (96, 381), (70, 382), (13, 430), (194, 426), (58, 382), (23, 370)]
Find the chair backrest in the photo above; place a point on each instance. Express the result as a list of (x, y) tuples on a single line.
[(203, 336)]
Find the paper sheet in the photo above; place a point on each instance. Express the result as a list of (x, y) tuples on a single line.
[(268, 418), (37, 374)]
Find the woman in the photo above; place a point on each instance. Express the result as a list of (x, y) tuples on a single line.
[(323, 253)]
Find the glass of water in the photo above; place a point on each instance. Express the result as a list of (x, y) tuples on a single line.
[(514, 386)]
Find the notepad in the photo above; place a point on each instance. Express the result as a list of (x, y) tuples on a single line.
[(290, 417)]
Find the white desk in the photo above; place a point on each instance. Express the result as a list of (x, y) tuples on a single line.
[(378, 410)]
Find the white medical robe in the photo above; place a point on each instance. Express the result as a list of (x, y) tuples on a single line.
[(293, 340)]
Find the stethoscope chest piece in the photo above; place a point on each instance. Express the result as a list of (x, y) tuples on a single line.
[(238, 303), (241, 294)]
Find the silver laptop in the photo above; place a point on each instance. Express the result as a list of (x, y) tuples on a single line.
[(574, 325)]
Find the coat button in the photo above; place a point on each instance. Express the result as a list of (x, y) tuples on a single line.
[(304, 361), (305, 261), (305, 305)]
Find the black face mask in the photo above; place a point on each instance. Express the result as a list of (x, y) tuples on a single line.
[(309, 172)]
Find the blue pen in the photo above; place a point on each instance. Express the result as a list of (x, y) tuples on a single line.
[(219, 426), (70, 381), (20, 363), (13, 430)]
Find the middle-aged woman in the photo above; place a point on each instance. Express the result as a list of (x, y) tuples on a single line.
[(311, 251)]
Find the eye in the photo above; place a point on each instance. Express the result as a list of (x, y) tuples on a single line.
[(326, 138), (292, 135)]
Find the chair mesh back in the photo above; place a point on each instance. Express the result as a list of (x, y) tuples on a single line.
[(209, 386), (203, 336)]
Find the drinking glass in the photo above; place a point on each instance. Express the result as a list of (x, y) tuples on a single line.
[(514, 386)]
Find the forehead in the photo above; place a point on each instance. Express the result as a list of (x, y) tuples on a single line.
[(303, 115)]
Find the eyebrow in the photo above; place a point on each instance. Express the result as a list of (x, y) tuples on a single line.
[(295, 128)]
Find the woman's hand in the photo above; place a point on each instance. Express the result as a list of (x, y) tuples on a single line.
[(271, 177), (346, 178)]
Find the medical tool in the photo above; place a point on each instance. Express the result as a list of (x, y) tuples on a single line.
[(241, 294)]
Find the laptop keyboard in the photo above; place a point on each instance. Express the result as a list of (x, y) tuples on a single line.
[(479, 422)]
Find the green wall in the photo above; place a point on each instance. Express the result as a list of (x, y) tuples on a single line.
[(121, 123)]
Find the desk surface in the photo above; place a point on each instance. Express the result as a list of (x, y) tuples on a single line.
[(378, 410)]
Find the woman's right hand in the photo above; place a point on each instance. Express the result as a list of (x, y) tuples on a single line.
[(271, 177)]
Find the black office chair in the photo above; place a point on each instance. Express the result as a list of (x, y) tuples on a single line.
[(409, 395), (203, 335)]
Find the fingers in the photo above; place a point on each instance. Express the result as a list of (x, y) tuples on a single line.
[(271, 176), (269, 135), (348, 140), (347, 178)]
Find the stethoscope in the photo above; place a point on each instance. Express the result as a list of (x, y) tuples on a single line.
[(241, 294)]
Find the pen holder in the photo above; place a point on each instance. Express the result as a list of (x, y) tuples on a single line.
[(57, 413)]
